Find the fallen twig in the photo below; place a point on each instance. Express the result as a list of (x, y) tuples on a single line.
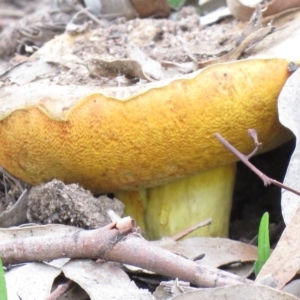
[(245, 159), (180, 235), (60, 290), (111, 243)]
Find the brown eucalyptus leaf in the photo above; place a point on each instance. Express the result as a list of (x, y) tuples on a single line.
[(154, 8), (111, 69)]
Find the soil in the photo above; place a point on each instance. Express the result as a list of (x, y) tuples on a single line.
[(58, 203)]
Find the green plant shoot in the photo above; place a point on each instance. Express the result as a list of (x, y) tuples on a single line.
[(263, 243), (176, 4), (3, 292)]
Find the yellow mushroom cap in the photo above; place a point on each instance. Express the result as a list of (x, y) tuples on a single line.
[(162, 133)]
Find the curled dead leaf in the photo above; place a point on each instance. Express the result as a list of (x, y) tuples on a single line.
[(111, 69), (243, 10), (154, 8)]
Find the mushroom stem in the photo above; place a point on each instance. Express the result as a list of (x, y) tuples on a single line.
[(168, 209)]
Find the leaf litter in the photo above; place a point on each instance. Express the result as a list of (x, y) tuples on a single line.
[(189, 247)]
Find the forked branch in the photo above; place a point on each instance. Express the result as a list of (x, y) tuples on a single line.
[(245, 159)]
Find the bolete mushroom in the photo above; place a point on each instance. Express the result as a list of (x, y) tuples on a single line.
[(156, 136)]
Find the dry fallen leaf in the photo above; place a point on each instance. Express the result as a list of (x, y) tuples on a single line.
[(35, 231), (111, 69), (289, 116), (34, 70), (31, 281), (150, 67), (16, 215), (104, 280), (281, 43), (243, 9), (171, 288), (236, 292), (217, 251)]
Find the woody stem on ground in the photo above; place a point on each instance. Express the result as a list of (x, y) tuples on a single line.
[(110, 243), (245, 159)]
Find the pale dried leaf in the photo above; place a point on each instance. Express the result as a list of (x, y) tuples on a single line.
[(17, 214), (58, 263), (284, 261), (215, 16), (289, 116), (208, 6), (236, 292), (94, 6), (35, 231), (245, 44), (242, 9), (241, 269), (122, 8), (283, 42), (253, 25), (103, 279), (34, 70), (293, 288), (218, 251), (31, 281), (149, 66), (184, 68), (168, 289), (251, 3)]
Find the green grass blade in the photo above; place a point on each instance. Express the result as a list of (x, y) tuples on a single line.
[(263, 243), (3, 292)]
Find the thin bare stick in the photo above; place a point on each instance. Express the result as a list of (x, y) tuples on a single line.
[(180, 235), (60, 290), (267, 180), (253, 134), (12, 178)]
